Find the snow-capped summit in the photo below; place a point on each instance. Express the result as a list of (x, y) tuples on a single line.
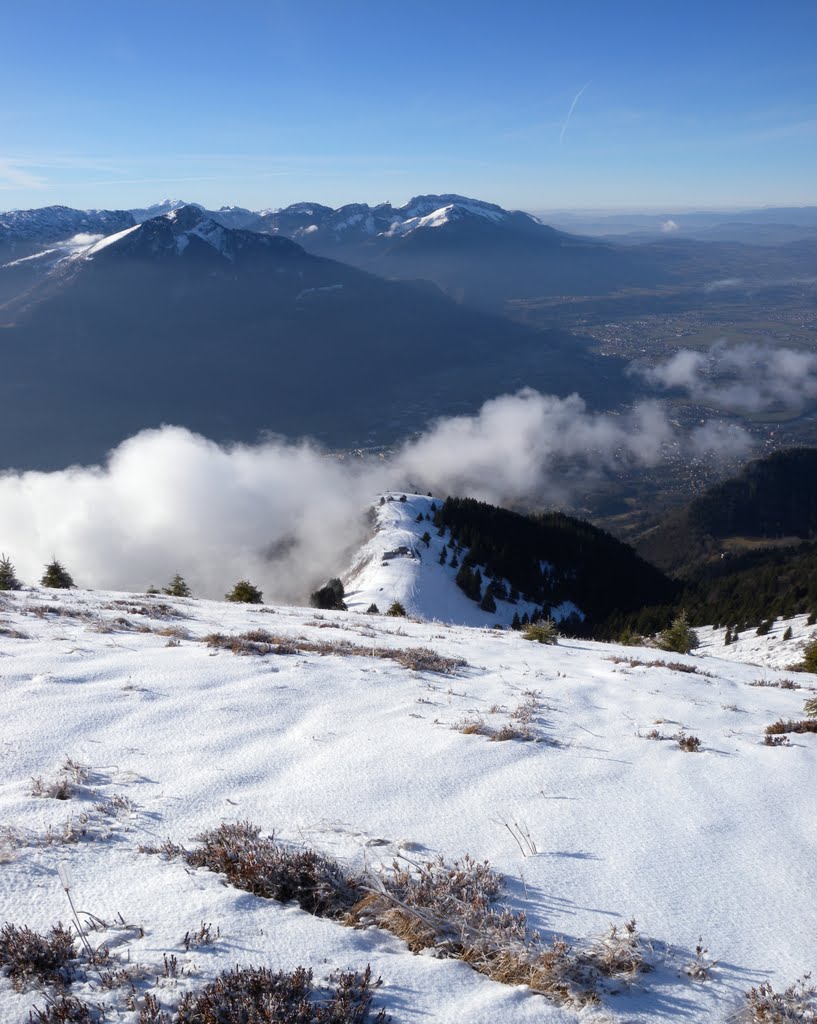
[(186, 230), (160, 208)]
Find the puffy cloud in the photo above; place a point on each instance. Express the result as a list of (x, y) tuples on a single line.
[(287, 516), (747, 378)]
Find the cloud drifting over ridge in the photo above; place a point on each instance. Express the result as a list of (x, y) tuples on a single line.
[(287, 515), (751, 377)]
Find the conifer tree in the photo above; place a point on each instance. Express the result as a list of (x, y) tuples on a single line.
[(488, 604), (177, 587), (8, 577), (56, 576), (516, 624), (680, 637), (426, 538), (443, 555), (788, 634), (245, 593)]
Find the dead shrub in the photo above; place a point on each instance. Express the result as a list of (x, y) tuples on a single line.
[(798, 1003), (27, 955), (256, 995), (511, 732), (260, 865), (779, 727), (66, 1010), (690, 744)]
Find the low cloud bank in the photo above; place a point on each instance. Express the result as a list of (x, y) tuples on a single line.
[(287, 516), (747, 378)]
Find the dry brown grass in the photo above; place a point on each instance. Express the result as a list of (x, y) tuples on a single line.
[(262, 642)]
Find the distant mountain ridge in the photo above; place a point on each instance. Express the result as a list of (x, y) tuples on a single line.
[(233, 333), (477, 252)]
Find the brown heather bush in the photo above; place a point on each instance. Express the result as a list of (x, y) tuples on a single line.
[(448, 907), (690, 744), (797, 1003), (262, 866), (779, 727), (66, 1010), (26, 955), (261, 642), (257, 995)]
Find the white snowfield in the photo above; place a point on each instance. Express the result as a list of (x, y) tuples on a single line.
[(361, 758)]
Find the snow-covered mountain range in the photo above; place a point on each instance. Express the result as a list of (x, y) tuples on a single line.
[(371, 738)]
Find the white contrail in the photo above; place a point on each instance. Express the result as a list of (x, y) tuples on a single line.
[(570, 112)]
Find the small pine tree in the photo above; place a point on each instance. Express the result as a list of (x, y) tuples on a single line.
[(372, 609), (516, 624), (443, 555), (396, 609), (809, 662), (812, 618), (56, 576), (680, 637), (488, 604), (727, 637), (543, 632), (403, 498), (454, 562), (329, 596), (419, 518), (426, 538), (177, 587), (8, 577), (152, 590), (764, 627), (788, 634), (245, 593), (810, 708)]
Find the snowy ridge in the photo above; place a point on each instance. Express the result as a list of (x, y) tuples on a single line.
[(396, 564), (362, 758)]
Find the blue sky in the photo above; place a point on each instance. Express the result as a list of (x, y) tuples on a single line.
[(119, 104)]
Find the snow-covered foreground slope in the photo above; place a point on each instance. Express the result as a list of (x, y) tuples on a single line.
[(360, 758)]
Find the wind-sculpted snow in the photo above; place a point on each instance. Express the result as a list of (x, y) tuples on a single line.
[(122, 730)]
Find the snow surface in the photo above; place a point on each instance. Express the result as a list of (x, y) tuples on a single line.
[(108, 240), (360, 758)]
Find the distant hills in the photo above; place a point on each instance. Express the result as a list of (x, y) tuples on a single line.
[(770, 500), (231, 332)]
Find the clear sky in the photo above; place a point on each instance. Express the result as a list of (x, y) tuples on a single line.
[(541, 104)]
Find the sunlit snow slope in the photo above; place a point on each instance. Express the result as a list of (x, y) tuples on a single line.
[(396, 564)]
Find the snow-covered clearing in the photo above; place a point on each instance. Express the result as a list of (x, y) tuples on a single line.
[(360, 758)]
